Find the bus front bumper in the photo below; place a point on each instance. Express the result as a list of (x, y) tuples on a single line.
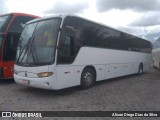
[(44, 83)]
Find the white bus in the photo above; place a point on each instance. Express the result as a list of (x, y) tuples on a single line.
[(63, 51), (156, 54)]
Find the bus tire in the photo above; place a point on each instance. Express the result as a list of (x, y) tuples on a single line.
[(88, 78), (140, 69)]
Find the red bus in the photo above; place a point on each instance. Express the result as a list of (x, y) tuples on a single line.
[(11, 26)]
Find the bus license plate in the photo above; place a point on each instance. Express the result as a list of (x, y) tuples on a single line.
[(26, 82)]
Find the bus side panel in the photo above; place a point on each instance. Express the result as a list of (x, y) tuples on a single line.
[(68, 76), (7, 68), (117, 70), (100, 72), (117, 62), (156, 57), (90, 55)]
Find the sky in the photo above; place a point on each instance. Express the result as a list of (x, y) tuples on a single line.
[(137, 17)]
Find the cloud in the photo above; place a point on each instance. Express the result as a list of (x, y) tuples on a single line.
[(153, 36), (70, 6), (136, 5), (149, 20), (3, 8)]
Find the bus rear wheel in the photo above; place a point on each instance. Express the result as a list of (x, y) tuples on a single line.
[(140, 69), (87, 78)]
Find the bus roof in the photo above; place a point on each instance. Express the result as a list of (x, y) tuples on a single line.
[(20, 14), (49, 17)]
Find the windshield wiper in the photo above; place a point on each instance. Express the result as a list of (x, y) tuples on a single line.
[(33, 55), (26, 48)]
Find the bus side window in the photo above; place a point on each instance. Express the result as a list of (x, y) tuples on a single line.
[(66, 52)]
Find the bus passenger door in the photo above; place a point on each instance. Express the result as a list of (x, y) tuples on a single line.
[(67, 75)]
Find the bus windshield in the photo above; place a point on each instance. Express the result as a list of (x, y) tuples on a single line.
[(3, 23), (38, 42)]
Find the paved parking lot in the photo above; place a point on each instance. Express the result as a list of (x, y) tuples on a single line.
[(130, 93)]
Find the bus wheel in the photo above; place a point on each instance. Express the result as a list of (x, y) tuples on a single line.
[(140, 69), (87, 78)]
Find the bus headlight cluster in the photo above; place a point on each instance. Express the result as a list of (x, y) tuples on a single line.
[(44, 74)]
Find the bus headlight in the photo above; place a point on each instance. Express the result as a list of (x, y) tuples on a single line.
[(44, 74)]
